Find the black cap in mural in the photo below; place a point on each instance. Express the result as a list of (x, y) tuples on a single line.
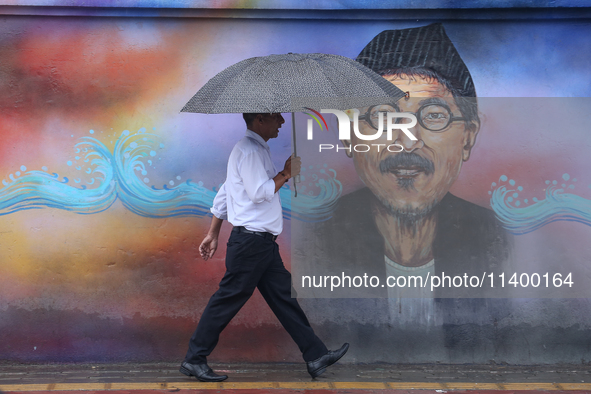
[(427, 47)]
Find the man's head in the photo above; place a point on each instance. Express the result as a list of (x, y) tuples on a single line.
[(265, 125), (423, 63)]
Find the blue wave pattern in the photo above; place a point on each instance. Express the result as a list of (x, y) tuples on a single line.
[(522, 216), (39, 189), (186, 199), (115, 175), (318, 194)]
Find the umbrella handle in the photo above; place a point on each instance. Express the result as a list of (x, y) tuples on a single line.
[(296, 179)]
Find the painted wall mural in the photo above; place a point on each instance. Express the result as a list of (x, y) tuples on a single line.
[(557, 205), (284, 4), (123, 174), (106, 188)]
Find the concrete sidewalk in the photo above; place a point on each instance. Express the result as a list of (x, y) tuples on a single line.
[(289, 377)]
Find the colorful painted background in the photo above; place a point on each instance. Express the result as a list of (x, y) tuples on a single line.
[(106, 185), (295, 4)]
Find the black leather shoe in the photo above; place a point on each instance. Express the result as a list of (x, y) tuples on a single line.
[(318, 366), (202, 372)]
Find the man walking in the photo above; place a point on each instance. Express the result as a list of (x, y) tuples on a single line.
[(249, 200)]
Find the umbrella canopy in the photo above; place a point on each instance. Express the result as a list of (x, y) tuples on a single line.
[(290, 83)]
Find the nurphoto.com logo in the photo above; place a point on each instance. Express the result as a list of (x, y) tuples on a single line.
[(382, 123)]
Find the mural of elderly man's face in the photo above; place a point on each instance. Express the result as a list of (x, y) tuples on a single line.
[(411, 183)]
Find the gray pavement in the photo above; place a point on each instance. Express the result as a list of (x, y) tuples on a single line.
[(11, 373)]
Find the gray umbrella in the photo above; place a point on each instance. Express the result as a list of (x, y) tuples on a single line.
[(292, 83)]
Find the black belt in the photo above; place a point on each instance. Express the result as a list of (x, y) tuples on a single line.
[(242, 229)]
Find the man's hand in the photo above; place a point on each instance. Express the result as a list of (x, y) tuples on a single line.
[(210, 243), (293, 166), (208, 247)]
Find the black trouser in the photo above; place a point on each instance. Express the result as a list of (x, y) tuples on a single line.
[(253, 262)]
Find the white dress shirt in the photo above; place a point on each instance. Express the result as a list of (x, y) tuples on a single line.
[(248, 197)]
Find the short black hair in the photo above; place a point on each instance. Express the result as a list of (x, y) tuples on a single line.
[(250, 117)]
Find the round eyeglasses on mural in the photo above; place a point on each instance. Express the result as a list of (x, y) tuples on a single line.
[(432, 117)]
